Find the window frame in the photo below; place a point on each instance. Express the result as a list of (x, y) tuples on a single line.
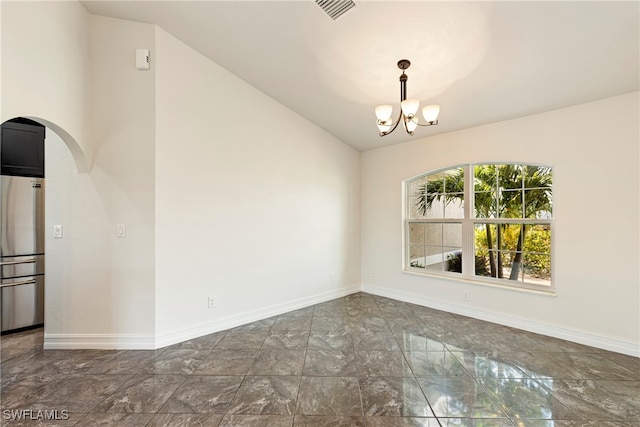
[(469, 222)]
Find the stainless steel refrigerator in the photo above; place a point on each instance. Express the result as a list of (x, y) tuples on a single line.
[(21, 225)]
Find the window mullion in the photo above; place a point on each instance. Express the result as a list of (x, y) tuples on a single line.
[(468, 257)]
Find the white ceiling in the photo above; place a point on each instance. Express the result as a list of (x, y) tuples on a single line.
[(481, 61)]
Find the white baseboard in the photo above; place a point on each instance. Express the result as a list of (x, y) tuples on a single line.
[(150, 342), (580, 337), (98, 342)]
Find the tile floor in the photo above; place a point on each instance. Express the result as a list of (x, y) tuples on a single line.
[(361, 360)]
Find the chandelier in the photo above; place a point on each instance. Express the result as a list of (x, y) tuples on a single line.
[(408, 109)]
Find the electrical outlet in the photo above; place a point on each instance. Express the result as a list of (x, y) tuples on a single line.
[(211, 301), (57, 231), (466, 296)]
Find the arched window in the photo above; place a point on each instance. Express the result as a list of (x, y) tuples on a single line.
[(485, 222)]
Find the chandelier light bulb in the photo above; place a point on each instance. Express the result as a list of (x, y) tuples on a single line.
[(384, 112), (412, 124), (410, 107), (430, 113)]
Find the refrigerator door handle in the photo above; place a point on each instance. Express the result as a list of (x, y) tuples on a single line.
[(26, 261), (24, 282)]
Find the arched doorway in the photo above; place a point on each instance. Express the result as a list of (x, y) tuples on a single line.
[(23, 290)]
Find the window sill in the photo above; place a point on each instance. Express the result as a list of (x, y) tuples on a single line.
[(551, 292)]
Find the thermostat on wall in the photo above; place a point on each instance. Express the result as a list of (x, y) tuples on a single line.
[(142, 59)]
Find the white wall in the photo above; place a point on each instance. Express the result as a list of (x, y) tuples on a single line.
[(254, 204), (45, 69), (100, 288), (593, 149)]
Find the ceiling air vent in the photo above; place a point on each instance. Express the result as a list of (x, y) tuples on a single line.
[(336, 8)]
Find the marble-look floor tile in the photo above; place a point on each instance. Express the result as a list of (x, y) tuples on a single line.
[(227, 362), (328, 421), (382, 364), (628, 391), (278, 362), (302, 323), (243, 341), (126, 362), (232, 420), (142, 394), (286, 340), (120, 420), (329, 396), (369, 324), (33, 338), (417, 341), (393, 397), (266, 395), (333, 323), (373, 340), (185, 420), (402, 422), (203, 394), (592, 401), (258, 326), (526, 399), (28, 389), (207, 342), (434, 363), (53, 361), (459, 397), (404, 324), (175, 362), (489, 422), (330, 363), (330, 340), (488, 365), (33, 419), (80, 393)]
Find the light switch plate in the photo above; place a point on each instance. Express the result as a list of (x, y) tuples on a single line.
[(121, 230), (57, 231)]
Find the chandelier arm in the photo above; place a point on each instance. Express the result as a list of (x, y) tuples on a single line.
[(395, 125), (433, 123)]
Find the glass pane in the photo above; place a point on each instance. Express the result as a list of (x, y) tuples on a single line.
[(454, 180), (538, 203), (485, 204), (482, 264), (509, 236), (510, 176), (511, 204), (454, 205), (416, 185), (434, 250), (537, 176), (416, 233), (454, 260), (484, 178), (416, 256), (435, 258), (538, 239), (433, 234), (485, 236), (537, 268), (452, 235), (415, 211), (436, 207)]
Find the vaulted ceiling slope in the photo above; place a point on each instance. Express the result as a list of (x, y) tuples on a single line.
[(481, 61)]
